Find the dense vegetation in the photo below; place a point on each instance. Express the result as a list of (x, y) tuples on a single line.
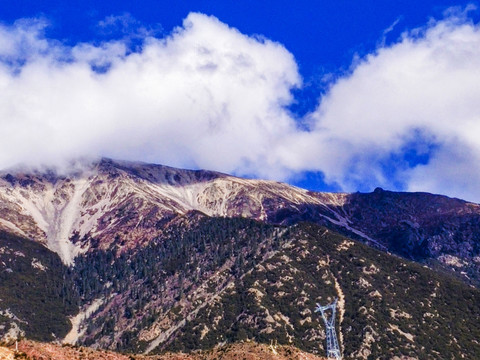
[(267, 281), (35, 291), (155, 278), (391, 306), (228, 280)]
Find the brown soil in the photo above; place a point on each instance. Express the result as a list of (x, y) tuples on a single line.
[(30, 350)]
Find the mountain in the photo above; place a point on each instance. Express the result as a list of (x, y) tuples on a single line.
[(131, 203), (229, 280), (107, 200), (160, 259)]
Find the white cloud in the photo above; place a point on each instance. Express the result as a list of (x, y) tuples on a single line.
[(425, 84), (22, 41), (126, 26), (208, 96)]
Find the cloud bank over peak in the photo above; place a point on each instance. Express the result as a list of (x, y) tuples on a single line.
[(408, 115), (207, 96)]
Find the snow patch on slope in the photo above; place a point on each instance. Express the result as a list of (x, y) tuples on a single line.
[(11, 226), (54, 208), (93, 204), (64, 221), (344, 222), (78, 321)]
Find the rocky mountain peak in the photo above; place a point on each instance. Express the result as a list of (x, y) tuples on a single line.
[(129, 202)]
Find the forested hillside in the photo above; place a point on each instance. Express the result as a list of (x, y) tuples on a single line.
[(214, 280), (36, 291)]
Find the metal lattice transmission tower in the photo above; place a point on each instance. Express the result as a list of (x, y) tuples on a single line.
[(333, 350)]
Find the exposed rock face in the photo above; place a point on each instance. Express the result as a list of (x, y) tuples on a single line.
[(131, 203), (104, 203), (432, 229)]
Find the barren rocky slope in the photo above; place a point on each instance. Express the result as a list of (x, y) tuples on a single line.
[(101, 203), (131, 203)]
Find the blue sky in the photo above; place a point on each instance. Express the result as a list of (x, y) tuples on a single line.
[(327, 95)]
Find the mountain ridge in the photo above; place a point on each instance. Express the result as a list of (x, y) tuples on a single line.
[(101, 204), (78, 203)]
